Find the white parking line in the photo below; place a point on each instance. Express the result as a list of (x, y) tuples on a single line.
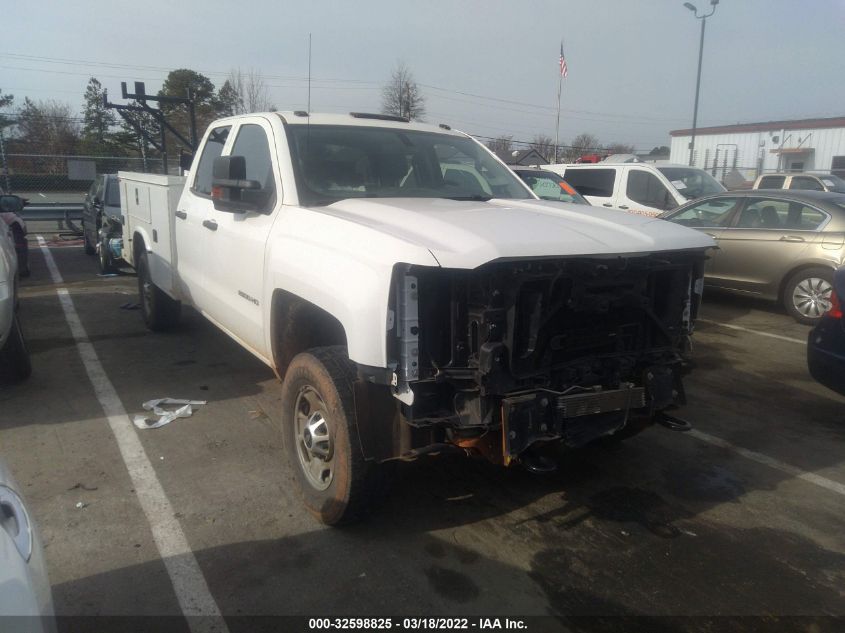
[(771, 462), (190, 586), (745, 329)]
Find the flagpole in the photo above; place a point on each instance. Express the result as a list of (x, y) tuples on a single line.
[(557, 124)]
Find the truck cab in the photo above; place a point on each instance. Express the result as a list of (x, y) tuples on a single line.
[(639, 188)]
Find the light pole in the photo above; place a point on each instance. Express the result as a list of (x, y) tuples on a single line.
[(703, 19)]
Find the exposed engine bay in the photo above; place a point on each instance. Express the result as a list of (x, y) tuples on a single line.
[(516, 354)]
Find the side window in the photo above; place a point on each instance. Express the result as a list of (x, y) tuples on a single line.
[(802, 218), (762, 213), (803, 182), (771, 182), (213, 148), (710, 213), (592, 182), (252, 144), (645, 188)]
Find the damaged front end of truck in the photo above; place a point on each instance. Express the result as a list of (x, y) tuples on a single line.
[(518, 356)]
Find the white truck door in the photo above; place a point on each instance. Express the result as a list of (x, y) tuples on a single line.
[(193, 214), (236, 243), (643, 193)]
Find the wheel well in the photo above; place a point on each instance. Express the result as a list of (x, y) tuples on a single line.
[(792, 272), (297, 325)]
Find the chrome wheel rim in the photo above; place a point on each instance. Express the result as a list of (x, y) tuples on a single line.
[(314, 444), (811, 297)]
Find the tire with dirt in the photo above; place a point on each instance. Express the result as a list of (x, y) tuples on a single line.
[(14, 357), (321, 439), (806, 295), (22, 251), (160, 312)]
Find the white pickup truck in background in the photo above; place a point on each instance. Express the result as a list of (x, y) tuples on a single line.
[(408, 310)]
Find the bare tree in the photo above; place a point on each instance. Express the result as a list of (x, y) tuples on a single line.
[(401, 95), (543, 145), (501, 144), (244, 92), (48, 128), (582, 144), (619, 148)]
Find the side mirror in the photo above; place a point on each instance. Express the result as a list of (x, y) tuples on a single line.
[(229, 183), (11, 204)]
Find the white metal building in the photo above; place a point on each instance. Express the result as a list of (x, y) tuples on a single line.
[(754, 148)]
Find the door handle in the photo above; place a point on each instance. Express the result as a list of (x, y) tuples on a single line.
[(621, 206), (607, 204), (181, 214), (210, 224), (791, 238)]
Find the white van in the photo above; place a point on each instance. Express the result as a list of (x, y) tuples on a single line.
[(640, 188)]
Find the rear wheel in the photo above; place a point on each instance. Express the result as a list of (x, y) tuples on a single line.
[(14, 357), (89, 248), (160, 312), (321, 441), (105, 258), (806, 295)]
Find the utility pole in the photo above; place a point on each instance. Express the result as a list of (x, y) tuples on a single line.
[(703, 19)]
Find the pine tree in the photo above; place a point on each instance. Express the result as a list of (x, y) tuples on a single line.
[(98, 121)]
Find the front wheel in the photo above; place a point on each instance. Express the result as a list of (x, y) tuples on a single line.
[(14, 357), (321, 440), (807, 294), (160, 312)]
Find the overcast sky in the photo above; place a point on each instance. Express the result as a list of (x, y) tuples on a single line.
[(487, 67)]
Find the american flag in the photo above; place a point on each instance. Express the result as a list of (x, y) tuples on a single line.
[(564, 71)]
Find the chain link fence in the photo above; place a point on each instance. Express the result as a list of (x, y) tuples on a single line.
[(67, 178)]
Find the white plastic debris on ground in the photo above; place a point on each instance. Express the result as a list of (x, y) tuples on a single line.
[(166, 416)]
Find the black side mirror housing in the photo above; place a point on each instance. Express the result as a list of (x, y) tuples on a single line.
[(228, 182), (11, 204)]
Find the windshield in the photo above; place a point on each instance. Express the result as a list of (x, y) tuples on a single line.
[(691, 182), (549, 186), (833, 183), (334, 162)]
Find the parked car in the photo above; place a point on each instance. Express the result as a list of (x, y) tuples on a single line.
[(640, 188), (102, 224), (14, 357), (548, 185), (10, 208), (811, 182), (777, 245), (826, 342), (26, 602)]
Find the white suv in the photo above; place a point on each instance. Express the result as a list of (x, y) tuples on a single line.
[(640, 188)]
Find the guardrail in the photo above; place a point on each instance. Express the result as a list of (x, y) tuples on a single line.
[(52, 211)]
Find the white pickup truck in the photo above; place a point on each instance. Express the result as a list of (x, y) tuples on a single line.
[(413, 294)]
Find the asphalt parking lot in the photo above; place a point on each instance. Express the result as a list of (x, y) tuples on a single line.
[(741, 517)]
